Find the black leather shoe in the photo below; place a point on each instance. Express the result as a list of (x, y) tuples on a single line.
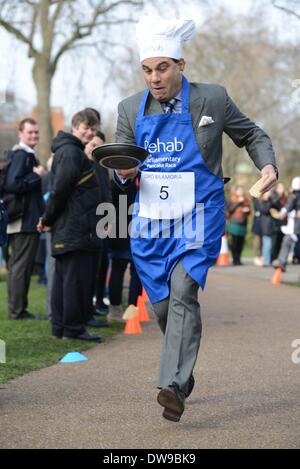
[(172, 399), (85, 336), (191, 385), (26, 315), (96, 323)]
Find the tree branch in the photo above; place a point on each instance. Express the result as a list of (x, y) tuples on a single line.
[(33, 25), (19, 35), (83, 30), (285, 9), (56, 14)]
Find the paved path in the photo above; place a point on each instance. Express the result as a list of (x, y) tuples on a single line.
[(246, 395)]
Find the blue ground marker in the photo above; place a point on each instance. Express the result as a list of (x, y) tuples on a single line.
[(73, 357)]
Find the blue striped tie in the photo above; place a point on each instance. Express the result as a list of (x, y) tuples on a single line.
[(169, 106)]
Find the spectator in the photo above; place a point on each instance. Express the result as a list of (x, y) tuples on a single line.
[(279, 200), (257, 234), (120, 253), (239, 210), (23, 179), (71, 216), (102, 263), (47, 183), (41, 259), (267, 227), (2, 263), (101, 279), (297, 250), (3, 218), (290, 240)]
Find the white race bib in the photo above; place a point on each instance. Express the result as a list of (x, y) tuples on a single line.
[(166, 196)]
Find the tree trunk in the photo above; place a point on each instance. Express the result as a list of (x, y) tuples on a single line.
[(42, 78)]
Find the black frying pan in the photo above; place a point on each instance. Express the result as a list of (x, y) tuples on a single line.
[(120, 155)]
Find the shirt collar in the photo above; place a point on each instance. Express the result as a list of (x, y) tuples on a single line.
[(26, 148), (178, 97)]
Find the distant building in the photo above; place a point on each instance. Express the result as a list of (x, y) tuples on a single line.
[(10, 116), (57, 118), (8, 125)]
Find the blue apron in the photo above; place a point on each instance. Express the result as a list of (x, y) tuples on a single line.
[(156, 245)]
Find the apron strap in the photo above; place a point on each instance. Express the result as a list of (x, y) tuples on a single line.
[(142, 105), (185, 95)]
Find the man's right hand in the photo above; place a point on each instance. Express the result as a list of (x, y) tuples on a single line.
[(127, 173), (41, 228), (40, 170)]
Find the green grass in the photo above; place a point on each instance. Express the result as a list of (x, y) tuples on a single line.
[(247, 252), (29, 345)]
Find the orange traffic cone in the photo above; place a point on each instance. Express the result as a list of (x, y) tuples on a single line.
[(143, 313), (276, 277), (132, 325), (223, 258), (144, 295)]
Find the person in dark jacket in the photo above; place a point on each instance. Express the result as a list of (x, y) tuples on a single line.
[(23, 178), (279, 199), (239, 210), (120, 253), (101, 266), (257, 234), (71, 216), (267, 223), (293, 239)]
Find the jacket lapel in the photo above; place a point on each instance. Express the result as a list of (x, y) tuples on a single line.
[(153, 106), (197, 103)]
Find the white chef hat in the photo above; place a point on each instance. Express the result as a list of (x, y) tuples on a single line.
[(158, 37)]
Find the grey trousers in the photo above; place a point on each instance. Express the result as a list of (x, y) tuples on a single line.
[(287, 245), (20, 265), (179, 319)]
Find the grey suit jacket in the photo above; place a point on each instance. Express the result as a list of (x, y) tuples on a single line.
[(206, 100)]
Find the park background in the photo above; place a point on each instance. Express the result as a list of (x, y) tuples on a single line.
[(58, 56)]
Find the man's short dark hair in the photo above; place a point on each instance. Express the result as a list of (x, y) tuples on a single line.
[(100, 135), (97, 113), (27, 120), (87, 117)]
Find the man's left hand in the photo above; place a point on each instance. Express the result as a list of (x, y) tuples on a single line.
[(270, 178)]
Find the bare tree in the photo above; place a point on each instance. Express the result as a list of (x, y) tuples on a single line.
[(240, 53), (50, 29), (288, 6), (256, 67)]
